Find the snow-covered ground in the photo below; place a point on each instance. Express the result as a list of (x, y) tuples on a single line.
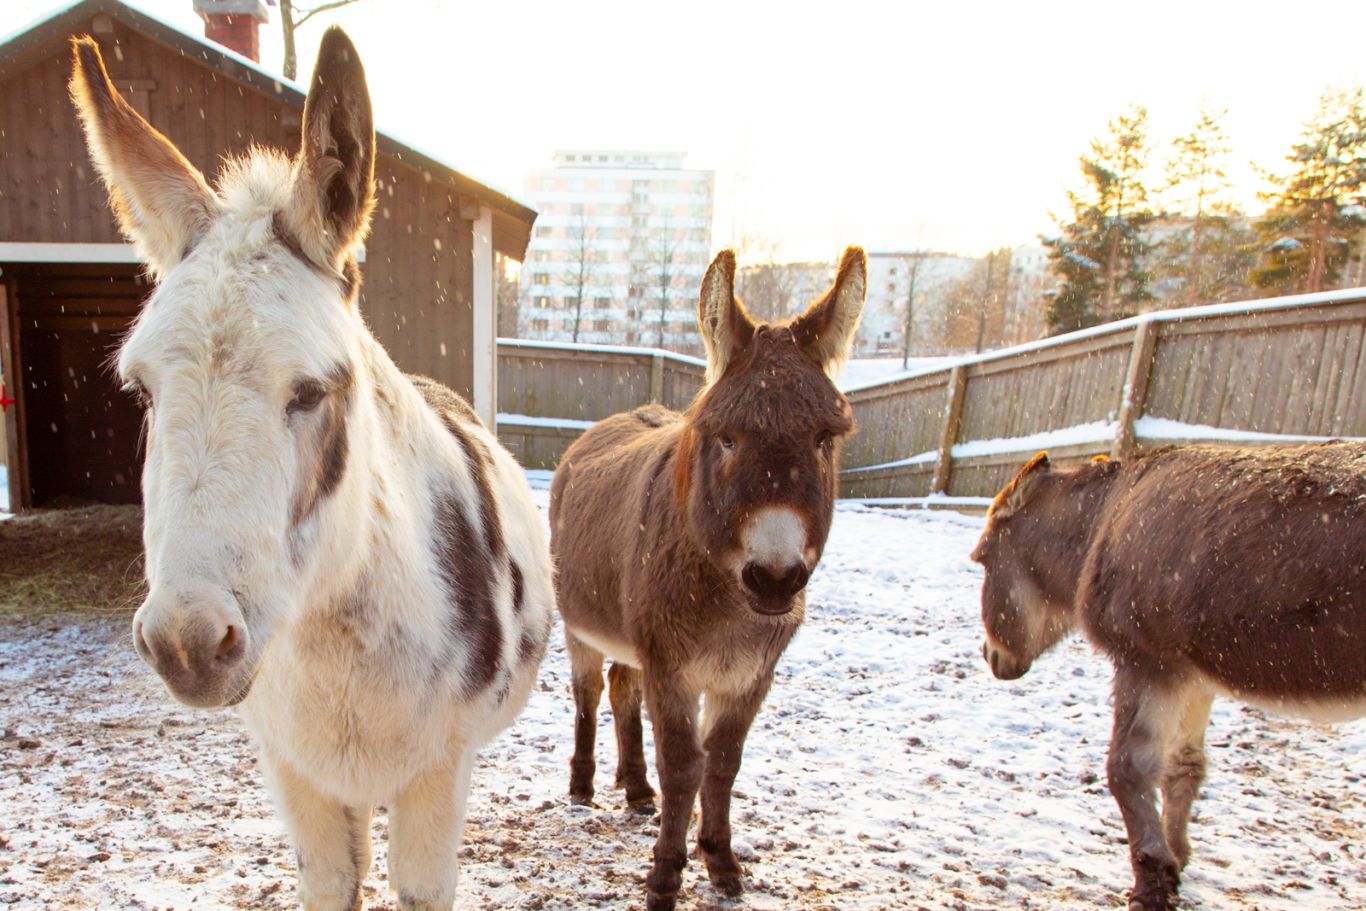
[(887, 771)]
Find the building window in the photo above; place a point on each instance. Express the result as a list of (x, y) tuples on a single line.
[(600, 325), (571, 302), (544, 230), (602, 303), (542, 303), (542, 278)]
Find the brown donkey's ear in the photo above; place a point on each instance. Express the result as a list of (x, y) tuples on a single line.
[(726, 327), (334, 173), (160, 200), (826, 330), (1015, 494)]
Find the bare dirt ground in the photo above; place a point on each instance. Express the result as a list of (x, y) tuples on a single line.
[(888, 771)]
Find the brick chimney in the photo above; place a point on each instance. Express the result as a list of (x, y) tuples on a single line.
[(235, 24)]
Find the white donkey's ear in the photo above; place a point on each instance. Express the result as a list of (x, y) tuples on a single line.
[(726, 328), (826, 330), (160, 200), (334, 173)]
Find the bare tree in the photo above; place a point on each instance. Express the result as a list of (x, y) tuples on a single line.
[(766, 285), (292, 19), (581, 266), (506, 296), (663, 265), (908, 330)]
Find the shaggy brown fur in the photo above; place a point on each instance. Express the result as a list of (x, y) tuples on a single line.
[(1199, 571), (652, 521)]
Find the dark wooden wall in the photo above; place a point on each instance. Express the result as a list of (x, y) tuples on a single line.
[(418, 270)]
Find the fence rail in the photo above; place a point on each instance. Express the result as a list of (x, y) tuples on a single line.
[(548, 393), (1269, 371), (1278, 370)]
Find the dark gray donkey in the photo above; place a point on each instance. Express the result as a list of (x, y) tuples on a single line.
[(1200, 572)]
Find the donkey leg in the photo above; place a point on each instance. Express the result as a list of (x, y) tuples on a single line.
[(725, 723), (331, 840), (1185, 770), (678, 757), (586, 664), (1145, 719), (426, 825), (625, 693)]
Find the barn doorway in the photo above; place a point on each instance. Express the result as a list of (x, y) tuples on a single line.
[(79, 432)]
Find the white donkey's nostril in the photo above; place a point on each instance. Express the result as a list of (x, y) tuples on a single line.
[(230, 647)]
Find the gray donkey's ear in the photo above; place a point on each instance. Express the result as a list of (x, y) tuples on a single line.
[(726, 328), (160, 200), (826, 330)]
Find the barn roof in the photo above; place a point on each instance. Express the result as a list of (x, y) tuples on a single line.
[(512, 219)]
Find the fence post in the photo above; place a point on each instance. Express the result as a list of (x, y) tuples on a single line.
[(1135, 391), (657, 378), (953, 416)]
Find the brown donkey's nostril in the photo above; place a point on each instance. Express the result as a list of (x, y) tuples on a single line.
[(230, 648), (766, 584)]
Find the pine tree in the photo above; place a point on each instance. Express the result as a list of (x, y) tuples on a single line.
[(1315, 215), (1100, 255), (1210, 256)]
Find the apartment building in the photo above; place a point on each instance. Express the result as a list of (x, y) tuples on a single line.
[(619, 249)]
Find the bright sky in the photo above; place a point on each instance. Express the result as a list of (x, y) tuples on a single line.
[(955, 126)]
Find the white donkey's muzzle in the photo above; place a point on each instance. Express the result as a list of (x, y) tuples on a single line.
[(197, 641)]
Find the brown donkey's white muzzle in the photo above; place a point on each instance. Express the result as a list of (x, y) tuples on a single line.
[(777, 560), (196, 640)]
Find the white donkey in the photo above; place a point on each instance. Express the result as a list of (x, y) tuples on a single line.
[(343, 552)]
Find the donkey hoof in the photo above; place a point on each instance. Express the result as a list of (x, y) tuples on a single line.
[(583, 800), (730, 885), (642, 806), (654, 901)]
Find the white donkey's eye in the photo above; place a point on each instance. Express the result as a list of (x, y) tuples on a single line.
[(136, 388), (307, 395)]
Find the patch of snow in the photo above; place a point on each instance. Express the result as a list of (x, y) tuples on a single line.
[(1093, 432), (887, 770), (528, 420), (539, 478), (1151, 428), (606, 349), (1286, 245), (4, 490), (864, 371)]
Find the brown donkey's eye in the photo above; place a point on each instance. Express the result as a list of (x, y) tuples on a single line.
[(727, 441), (307, 395)]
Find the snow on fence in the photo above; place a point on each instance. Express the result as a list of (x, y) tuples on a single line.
[(1288, 369), (1284, 370), (549, 392)]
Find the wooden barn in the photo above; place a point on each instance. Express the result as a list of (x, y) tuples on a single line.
[(70, 285)]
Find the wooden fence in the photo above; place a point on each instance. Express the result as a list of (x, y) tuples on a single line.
[(1271, 371), (548, 393), (1267, 371)]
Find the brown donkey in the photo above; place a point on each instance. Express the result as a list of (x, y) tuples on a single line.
[(684, 543), (1200, 572)]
